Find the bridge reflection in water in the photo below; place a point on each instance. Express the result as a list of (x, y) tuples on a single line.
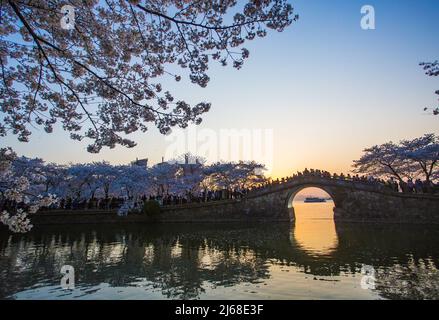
[(262, 261)]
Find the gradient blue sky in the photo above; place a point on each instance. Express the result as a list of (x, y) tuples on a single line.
[(325, 86)]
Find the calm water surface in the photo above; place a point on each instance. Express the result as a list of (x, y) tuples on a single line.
[(312, 259)]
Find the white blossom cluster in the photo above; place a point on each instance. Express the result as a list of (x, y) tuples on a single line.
[(18, 222), (16, 186), (101, 79)]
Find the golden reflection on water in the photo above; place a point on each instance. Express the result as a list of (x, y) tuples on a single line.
[(314, 229)]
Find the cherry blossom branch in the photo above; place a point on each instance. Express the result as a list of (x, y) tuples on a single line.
[(38, 39), (37, 42), (204, 26)]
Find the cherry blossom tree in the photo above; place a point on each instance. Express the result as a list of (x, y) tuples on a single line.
[(219, 175), (416, 158), (249, 174), (55, 178), (382, 161), (432, 70), (17, 187), (227, 175), (132, 181), (163, 177), (188, 174), (105, 175), (80, 181), (99, 75), (423, 151), (187, 182)]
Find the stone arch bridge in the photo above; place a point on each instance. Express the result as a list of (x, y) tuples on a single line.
[(354, 201)]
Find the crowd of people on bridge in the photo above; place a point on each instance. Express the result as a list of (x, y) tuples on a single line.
[(406, 186)]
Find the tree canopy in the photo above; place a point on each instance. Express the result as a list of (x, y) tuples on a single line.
[(101, 77), (416, 158)]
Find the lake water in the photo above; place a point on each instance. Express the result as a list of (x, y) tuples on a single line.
[(314, 258)]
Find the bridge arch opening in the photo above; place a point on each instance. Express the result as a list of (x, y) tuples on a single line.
[(314, 228), (300, 194)]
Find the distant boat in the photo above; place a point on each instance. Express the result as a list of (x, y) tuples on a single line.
[(314, 199)]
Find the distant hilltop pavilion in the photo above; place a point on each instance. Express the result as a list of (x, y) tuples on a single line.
[(144, 162), (140, 162)]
